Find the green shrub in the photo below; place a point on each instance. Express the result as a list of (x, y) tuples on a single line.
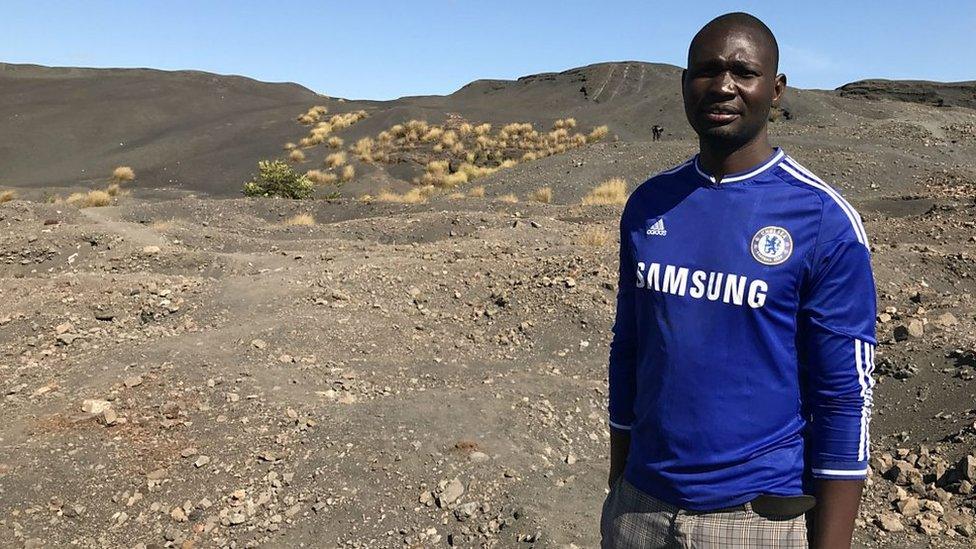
[(277, 179)]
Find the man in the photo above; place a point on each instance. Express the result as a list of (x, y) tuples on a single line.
[(743, 346)]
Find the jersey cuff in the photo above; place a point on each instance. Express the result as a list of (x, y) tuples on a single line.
[(853, 470), (619, 426)]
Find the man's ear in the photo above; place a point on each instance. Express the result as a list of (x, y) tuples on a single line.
[(779, 88)]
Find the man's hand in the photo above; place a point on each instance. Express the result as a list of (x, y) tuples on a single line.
[(837, 503), (619, 449)]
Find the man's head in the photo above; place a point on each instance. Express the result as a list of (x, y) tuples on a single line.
[(731, 80)]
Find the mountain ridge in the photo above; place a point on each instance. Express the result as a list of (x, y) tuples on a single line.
[(187, 129)]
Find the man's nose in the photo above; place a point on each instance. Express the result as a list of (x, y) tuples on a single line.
[(723, 84)]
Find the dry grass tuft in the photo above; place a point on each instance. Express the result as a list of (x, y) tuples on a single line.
[(449, 139), (612, 191), (335, 159), (289, 146), (416, 195), (594, 236), (91, 199), (7, 196), (597, 134), (334, 142), (477, 192), (456, 196), (347, 173), (543, 195), (296, 156), (508, 198), (122, 174), (313, 115), (320, 132), (115, 190), (300, 220), (432, 135), (321, 178), (565, 123), (435, 172), (364, 149)]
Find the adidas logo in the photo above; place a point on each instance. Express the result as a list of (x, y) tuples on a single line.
[(657, 229)]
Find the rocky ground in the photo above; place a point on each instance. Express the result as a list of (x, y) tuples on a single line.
[(194, 372)]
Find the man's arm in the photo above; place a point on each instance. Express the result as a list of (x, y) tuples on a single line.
[(619, 449), (836, 342), (623, 358), (837, 503)]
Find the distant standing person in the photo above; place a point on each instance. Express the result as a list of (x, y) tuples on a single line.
[(743, 346), (656, 132)]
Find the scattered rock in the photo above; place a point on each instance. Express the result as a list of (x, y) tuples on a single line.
[(890, 523), (157, 474), (170, 410), (105, 315), (108, 417), (902, 473), (178, 514), (908, 507), (929, 526), (966, 468), (95, 406), (913, 330), (465, 510), (947, 320), (451, 491)]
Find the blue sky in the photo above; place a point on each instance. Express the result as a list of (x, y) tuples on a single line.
[(383, 50)]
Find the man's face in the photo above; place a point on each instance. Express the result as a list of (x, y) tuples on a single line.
[(729, 86)]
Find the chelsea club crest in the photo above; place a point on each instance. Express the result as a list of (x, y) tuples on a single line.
[(772, 245)]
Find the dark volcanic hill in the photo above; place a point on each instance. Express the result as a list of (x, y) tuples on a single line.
[(630, 96), (190, 130), (937, 94), (67, 126)]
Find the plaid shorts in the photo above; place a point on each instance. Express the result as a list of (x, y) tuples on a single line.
[(634, 520)]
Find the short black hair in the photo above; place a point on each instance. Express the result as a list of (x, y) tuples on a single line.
[(741, 20)]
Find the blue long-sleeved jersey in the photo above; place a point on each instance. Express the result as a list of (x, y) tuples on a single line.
[(744, 340)]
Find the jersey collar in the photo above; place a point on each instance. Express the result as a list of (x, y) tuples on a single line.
[(773, 160)]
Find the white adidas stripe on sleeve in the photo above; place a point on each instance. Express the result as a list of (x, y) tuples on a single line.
[(802, 174)]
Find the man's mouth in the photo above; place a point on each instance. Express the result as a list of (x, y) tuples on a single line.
[(720, 114)]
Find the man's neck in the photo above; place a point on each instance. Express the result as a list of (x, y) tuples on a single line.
[(719, 160)]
